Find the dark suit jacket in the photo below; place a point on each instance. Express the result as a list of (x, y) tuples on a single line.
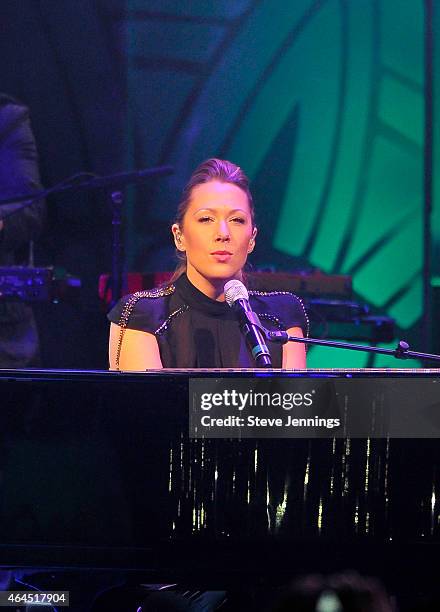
[(18, 174)]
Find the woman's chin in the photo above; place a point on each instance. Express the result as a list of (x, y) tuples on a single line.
[(215, 275), (224, 275)]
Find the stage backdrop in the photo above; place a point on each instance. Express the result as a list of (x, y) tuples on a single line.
[(320, 102)]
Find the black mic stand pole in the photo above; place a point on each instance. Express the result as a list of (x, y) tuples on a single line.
[(116, 202)]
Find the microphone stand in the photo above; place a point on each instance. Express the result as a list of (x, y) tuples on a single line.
[(252, 320), (83, 182), (400, 352)]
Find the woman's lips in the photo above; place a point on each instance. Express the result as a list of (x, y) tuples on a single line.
[(222, 256)]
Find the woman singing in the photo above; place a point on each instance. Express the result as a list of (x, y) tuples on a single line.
[(188, 324)]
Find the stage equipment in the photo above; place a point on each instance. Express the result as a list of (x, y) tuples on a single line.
[(28, 284)]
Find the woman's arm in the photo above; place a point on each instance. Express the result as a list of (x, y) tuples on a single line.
[(294, 353), (139, 351)]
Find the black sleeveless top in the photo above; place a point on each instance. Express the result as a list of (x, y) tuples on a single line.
[(195, 331)]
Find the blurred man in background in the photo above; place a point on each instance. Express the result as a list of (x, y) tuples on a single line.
[(18, 175)]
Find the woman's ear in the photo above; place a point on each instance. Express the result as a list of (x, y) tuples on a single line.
[(177, 234), (252, 240)]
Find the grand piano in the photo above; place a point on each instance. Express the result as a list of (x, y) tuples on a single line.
[(97, 470)]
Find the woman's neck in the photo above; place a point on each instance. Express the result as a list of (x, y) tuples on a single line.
[(211, 287)]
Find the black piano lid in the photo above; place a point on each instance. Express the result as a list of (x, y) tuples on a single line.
[(95, 475)]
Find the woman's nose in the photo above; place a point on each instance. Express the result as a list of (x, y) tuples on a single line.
[(223, 231)]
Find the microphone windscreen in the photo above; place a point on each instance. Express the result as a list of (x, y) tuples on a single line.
[(235, 290)]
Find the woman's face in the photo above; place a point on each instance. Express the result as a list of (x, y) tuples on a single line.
[(216, 233)]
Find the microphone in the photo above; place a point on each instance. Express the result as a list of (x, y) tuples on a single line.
[(237, 297)]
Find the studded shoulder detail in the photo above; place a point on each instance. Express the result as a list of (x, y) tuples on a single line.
[(270, 293), (267, 293), (272, 318), (164, 326), (129, 306)]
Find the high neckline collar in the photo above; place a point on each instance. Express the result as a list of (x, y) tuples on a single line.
[(196, 299)]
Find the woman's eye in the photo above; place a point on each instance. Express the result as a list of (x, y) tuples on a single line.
[(204, 219), (238, 220)]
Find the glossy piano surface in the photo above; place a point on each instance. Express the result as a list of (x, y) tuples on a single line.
[(98, 467)]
